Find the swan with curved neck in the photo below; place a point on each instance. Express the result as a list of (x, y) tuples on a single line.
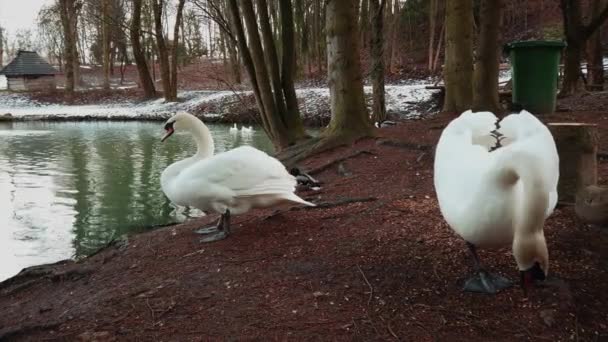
[(232, 182), (496, 183)]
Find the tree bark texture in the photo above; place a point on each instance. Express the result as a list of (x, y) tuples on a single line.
[(595, 65), (175, 48), (577, 35), (485, 94), (163, 54), (292, 116), (67, 13), (145, 79), (349, 117), (106, 42), (376, 9), (277, 130), (458, 72), (577, 145)]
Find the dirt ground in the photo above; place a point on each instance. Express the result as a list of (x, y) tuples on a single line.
[(375, 262)]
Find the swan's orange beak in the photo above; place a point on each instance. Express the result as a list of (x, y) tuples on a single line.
[(168, 133)]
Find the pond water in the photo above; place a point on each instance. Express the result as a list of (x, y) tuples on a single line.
[(68, 188)]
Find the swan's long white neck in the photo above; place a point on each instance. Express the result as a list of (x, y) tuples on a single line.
[(530, 209), (202, 137)]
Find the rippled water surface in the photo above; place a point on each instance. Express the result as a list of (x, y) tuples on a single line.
[(68, 188)]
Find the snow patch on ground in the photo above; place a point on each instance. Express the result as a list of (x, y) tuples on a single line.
[(401, 100), (3, 84)]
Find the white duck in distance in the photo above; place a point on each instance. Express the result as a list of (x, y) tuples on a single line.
[(496, 183), (231, 182)]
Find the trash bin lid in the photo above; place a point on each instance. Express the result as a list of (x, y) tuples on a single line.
[(535, 43)]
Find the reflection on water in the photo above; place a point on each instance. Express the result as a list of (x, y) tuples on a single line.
[(68, 188)]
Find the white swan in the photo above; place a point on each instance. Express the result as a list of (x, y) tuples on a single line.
[(246, 130), (233, 129), (498, 198), (228, 183)]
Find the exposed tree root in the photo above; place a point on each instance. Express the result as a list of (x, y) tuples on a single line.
[(35, 274), (338, 160), (405, 145), (324, 205), (22, 330), (294, 154)]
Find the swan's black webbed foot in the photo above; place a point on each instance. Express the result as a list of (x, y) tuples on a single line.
[(485, 282), (210, 229), (223, 229)]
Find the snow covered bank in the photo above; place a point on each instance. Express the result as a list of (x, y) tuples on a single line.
[(402, 100)]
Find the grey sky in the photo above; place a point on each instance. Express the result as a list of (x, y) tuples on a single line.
[(20, 14)]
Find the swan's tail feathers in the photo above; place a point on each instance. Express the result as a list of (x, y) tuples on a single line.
[(296, 199)]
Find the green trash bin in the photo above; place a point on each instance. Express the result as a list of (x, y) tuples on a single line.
[(534, 70)]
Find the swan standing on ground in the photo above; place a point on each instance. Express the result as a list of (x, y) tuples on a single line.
[(496, 183), (228, 183)]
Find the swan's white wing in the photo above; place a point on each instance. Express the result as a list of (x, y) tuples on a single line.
[(460, 162), (245, 171)]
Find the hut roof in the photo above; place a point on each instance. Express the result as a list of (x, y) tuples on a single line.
[(28, 63)]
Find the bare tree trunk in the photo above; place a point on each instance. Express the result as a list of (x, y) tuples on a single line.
[(105, 22), (270, 54), (458, 72), (377, 46), (349, 117), (174, 50), (237, 25), (276, 126), (364, 23), (595, 65), (292, 116), (394, 38), (432, 23), (439, 48), (577, 35), (163, 55), (66, 8), (485, 94), (140, 59)]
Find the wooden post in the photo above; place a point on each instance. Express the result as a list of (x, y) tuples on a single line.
[(577, 145)]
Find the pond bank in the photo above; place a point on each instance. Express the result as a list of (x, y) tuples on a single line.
[(404, 101), (376, 261)]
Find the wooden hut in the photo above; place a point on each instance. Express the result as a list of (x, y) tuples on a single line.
[(29, 72)]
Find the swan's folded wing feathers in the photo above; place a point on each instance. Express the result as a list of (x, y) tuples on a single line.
[(246, 171)]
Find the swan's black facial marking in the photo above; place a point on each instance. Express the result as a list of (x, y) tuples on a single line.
[(169, 130), (529, 276)]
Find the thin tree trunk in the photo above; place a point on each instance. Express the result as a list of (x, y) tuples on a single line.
[(595, 66), (237, 25), (458, 72), (439, 48), (106, 42), (395, 38), (432, 23), (174, 50), (577, 35), (140, 59), (262, 75), (485, 94), (376, 11), (349, 117), (163, 55), (292, 116), (272, 60), (65, 13)]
